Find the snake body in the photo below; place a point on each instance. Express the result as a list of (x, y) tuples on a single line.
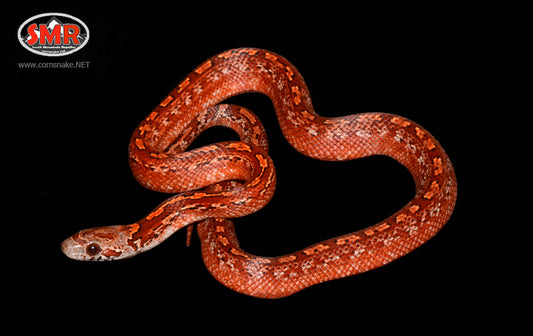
[(233, 179)]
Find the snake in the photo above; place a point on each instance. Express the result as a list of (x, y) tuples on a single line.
[(216, 183)]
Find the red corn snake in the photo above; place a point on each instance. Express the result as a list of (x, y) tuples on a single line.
[(233, 179)]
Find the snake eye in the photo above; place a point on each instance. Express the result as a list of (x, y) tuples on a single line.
[(93, 249)]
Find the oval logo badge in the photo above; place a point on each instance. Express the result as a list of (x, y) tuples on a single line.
[(53, 34)]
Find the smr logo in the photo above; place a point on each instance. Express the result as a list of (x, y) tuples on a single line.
[(53, 34)]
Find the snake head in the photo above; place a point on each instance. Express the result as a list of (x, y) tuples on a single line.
[(102, 243)]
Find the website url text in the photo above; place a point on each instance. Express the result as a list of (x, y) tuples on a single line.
[(55, 65)]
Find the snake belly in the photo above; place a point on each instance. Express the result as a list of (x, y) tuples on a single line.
[(226, 180)]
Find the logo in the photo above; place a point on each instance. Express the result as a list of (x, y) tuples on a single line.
[(53, 34)]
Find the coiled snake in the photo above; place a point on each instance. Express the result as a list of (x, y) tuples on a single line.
[(233, 179)]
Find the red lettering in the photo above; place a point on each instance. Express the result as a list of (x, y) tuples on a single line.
[(71, 31), (31, 30), (52, 38)]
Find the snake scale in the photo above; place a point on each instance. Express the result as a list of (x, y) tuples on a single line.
[(231, 179)]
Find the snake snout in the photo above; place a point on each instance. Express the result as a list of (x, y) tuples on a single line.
[(81, 247), (72, 249)]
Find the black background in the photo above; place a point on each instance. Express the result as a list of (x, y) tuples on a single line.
[(73, 132)]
